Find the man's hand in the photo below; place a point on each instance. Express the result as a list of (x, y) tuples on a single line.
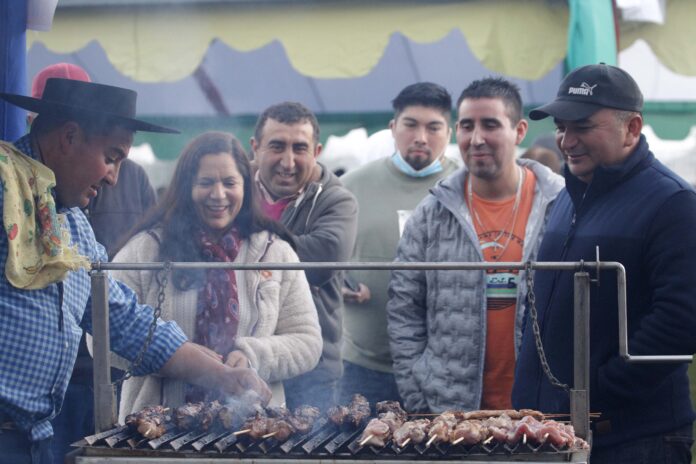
[(361, 296), (237, 358), (195, 364)]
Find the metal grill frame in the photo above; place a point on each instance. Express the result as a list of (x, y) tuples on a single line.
[(104, 395)]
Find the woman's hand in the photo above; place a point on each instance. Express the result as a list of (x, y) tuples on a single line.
[(237, 358)]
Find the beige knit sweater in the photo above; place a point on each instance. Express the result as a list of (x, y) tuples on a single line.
[(278, 327)]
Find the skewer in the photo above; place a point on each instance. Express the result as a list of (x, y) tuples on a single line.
[(241, 432), (406, 442), (366, 439), (269, 435), (524, 438), (458, 441), (430, 442), (488, 440)]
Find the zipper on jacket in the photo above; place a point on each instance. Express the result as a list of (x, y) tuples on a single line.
[(256, 285)]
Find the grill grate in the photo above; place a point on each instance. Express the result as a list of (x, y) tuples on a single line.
[(326, 441)]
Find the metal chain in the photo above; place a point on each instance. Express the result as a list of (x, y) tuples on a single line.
[(162, 280), (531, 299)]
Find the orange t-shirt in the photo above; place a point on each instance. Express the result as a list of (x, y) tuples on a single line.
[(490, 218)]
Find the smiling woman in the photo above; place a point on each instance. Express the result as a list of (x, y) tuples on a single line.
[(263, 319)]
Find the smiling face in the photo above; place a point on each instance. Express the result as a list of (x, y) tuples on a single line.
[(487, 137), (421, 134), (602, 139), (87, 163), (286, 156), (217, 192)]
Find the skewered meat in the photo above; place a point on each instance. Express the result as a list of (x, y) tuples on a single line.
[(414, 431), (150, 422), (359, 410), (304, 417), (511, 413), (391, 406), (376, 433), (281, 429), (469, 432), (355, 414), (443, 425), (186, 417), (337, 414), (379, 430), (257, 425), (200, 416)]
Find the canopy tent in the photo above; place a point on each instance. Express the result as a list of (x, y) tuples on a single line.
[(228, 59)]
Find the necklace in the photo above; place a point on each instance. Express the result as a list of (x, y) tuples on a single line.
[(513, 217)]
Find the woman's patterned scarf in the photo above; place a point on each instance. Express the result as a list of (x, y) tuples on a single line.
[(217, 314)]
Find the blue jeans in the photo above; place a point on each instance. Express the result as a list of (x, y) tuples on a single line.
[(668, 448), (16, 448), (312, 388), (75, 420), (374, 385)]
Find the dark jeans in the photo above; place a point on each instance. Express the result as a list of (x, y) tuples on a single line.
[(16, 448), (75, 420), (374, 385), (312, 388), (668, 448)]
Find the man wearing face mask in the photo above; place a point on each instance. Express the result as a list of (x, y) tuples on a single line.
[(454, 334), (387, 190)]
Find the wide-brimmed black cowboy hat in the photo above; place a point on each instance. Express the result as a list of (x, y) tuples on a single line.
[(87, 100)]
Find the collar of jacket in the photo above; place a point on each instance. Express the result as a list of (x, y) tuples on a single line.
[(606, 178), (450, 190)]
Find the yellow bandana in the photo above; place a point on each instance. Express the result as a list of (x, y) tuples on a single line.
[(39, 251)]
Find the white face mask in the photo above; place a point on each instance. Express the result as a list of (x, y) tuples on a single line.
[(403, 166)]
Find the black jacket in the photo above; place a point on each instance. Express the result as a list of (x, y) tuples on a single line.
[(642, 215)]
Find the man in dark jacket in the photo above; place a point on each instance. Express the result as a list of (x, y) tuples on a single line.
[(620, 198), (321, 216)]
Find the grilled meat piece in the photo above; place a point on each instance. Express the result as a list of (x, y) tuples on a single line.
[(337, 414), (150, 422), (209, 415), (511, 413), (469, 432), (442, 426), (278, 412), (391, 406), (304, 418), (358, 411), (376, 433), (280, 428), (257, 425), (187, 417), (414, 431)]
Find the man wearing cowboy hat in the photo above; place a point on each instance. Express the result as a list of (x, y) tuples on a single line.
[(81, 134), (619, 198)]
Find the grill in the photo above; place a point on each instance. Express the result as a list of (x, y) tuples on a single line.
[(326, 443)]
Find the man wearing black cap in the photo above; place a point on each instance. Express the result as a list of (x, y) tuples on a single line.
[(619, 198), (81, 134)]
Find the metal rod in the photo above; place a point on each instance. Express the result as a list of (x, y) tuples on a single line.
[(623, 330), (104, 397), (580, 394), (455, 266)]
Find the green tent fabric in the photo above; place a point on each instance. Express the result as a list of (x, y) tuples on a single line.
[(591, 33)]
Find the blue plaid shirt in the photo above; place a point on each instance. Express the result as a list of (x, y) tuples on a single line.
[(40, 331)]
